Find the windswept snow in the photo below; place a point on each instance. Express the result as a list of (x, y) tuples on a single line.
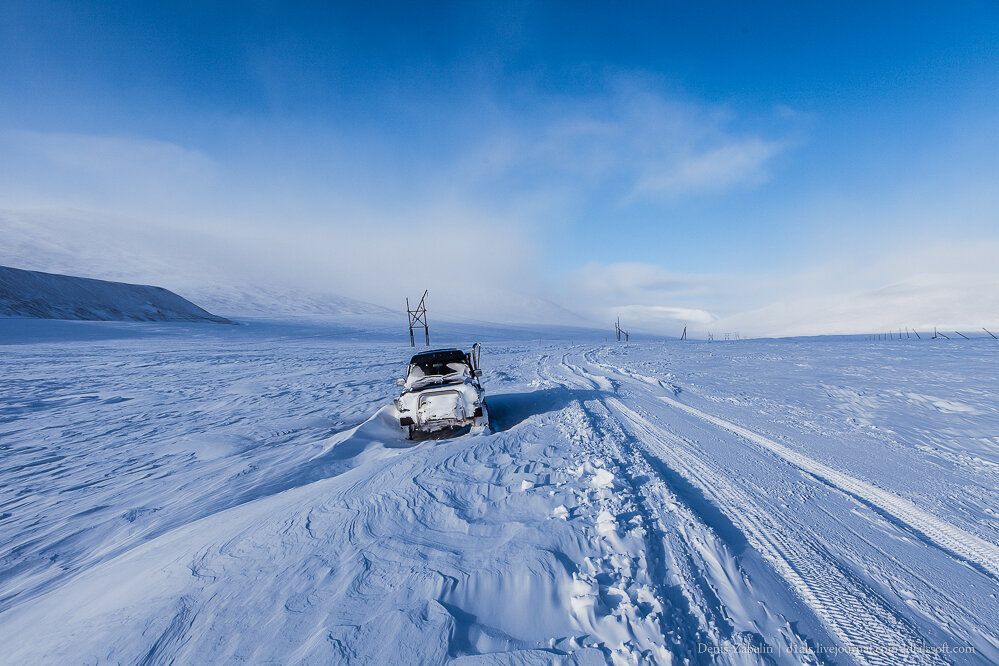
[(51, 296), (243, 494)]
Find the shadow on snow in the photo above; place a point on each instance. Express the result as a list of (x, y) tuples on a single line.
[(507, 410)]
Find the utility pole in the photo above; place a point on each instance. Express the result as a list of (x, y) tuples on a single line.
[(620, 331), (683, 336), (417, 318)]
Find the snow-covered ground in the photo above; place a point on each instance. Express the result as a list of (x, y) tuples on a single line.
[(239, 494), (25, 293)]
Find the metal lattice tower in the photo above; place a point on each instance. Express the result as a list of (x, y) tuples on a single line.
[(417, 318)]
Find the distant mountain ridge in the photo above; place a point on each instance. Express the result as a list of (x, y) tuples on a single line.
[(25, 293)]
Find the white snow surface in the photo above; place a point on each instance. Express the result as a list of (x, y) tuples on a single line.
[(174, 493)]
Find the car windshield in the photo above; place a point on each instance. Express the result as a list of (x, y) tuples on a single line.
[(429, 372)]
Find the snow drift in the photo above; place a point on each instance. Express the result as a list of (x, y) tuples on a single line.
[(241, 494), (51, 296)]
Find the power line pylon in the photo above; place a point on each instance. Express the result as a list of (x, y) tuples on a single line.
[(417, 318)]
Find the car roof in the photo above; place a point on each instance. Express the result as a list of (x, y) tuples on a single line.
[(439, 356)]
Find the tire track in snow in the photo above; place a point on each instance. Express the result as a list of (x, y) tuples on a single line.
[(598, 382), (979, 553), (696, 568), (687, 618), (855, 615), (715, 589)]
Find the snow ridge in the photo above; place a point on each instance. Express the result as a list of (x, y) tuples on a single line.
[(52, 296)]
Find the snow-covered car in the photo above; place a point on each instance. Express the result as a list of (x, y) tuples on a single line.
[(442, 390)]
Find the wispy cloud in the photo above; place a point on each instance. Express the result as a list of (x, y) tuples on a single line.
[(634, 281), (950, 284), (645, 296), (629, 142), (114, 172), (738, 162), (358, 216), (664, 318), (141, 209)]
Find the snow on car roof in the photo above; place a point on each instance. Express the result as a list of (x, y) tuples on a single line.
[(439, 356)]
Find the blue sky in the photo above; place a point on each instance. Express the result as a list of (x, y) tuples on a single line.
[(713, 163)]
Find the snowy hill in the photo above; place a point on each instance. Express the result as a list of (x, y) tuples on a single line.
[(254, 301), (52, 296)]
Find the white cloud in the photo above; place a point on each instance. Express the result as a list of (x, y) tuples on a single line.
[(735, 163), (629, 141), (467, 225), (646, 297), (660, 316), (632, 281), (470, 270), (474, 272), (350, 215), (111, 172), (951, 285)]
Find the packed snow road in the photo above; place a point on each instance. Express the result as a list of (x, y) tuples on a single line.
[(248, 497)]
